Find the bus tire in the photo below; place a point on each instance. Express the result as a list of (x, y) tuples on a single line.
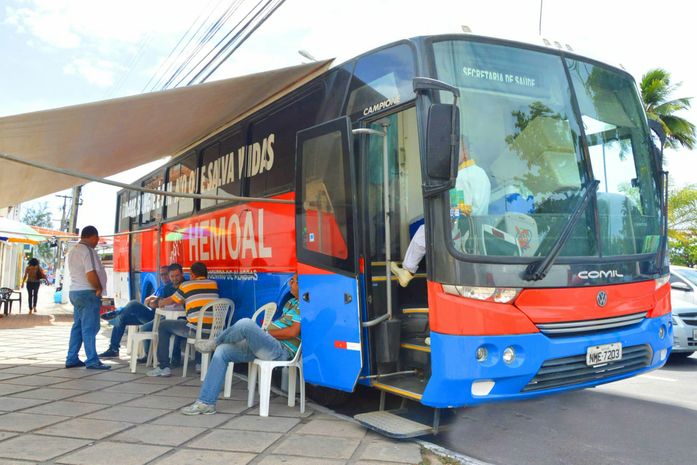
[(327, 397)]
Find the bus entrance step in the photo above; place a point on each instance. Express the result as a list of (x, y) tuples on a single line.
[(392, 425)]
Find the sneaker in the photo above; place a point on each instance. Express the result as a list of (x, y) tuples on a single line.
[(206, 345), (160, 372), (77, 364), (404, 276), (109, 315), (110, 353), (99, 366), (142, 359), (198, 408)]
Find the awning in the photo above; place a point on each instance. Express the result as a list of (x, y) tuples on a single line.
[(15, 231), (107, 137)]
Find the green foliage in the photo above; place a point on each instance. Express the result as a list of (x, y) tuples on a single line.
[(682, 226), (656, 90), (40, 216)]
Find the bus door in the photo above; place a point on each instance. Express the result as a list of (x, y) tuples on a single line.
[(325, 207)]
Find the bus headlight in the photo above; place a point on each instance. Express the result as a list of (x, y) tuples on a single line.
[(482, 354), (500, 295), (662, 281), (661, 332), (508, 355)]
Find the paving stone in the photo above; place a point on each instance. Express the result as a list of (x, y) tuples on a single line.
[(206, 457), (85, 384), (136, 388), (70, 373), (117, 375), (11, 404), (6, 389), (317, 446), (47, 393), (66, 408), (231, 406), (27, 369), (240, 441), (15, 462), (85, 428), (6, 434), (109, 453), (343, 429), (24, 422), (32, 447), (202, 421), (278, 409), (190, 392), (257, 423), (392, 451), (155, 401), (289, 460), (129, 414), (106, 398), (166, 380), (161, 435), (35, 380), (4, 376)]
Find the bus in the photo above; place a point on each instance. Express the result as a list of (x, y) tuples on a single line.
[(558, 282)]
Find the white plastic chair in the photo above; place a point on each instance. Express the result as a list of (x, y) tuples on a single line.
[(265, 369), (268, 310), (135, 338), (221, 308)]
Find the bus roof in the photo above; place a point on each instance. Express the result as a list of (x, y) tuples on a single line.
[(107, 137)]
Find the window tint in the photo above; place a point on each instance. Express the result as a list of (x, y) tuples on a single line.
[(381, 80), (182, 177), (151, 204), (271, 155)]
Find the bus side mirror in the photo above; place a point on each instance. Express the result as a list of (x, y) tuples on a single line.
[(442, 143)]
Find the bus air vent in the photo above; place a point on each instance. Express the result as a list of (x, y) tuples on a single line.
[(587, 326)]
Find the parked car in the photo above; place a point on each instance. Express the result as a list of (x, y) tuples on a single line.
[(683, 283), (684, 328)]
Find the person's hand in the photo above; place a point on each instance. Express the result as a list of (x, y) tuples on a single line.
[(98, 291)]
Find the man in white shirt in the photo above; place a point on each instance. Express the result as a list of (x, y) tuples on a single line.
[(473, 188), (87, 282)]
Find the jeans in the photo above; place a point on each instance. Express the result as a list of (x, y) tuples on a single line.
[(169, 328), (33, 291), (133, 313), (242, 342), (85, 327)]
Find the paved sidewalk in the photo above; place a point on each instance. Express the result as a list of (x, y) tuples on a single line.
[(52, 415)]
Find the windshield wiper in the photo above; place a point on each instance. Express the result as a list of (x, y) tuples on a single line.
[(538, 270)]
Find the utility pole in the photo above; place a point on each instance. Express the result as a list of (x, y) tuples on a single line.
[(77, 201), (64, 217)]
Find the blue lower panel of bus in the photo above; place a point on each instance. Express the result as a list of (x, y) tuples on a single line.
[(542, 364)]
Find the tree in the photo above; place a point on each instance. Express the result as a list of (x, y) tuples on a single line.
[(682, 226), (40, 216), (656, 89)]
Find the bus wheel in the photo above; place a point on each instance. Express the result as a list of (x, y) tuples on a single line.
[(327, 397)]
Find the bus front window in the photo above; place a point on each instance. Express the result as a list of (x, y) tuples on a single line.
[(519, 130), (518, 127)]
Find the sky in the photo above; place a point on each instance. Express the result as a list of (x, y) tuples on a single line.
[(65, 52)]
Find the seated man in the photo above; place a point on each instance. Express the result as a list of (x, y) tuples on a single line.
[(473, 191), (243, 342), (135, 313), (195, 295)]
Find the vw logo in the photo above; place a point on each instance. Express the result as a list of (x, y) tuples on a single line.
[(601, 298)]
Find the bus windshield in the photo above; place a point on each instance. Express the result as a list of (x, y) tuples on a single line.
[(522, 155)]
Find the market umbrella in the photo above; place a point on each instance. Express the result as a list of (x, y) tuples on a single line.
[(15, 231)]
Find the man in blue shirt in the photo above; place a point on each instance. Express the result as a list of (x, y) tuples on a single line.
[(135, 313), (243, 342)]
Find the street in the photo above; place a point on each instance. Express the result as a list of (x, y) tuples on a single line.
[(648, 420)]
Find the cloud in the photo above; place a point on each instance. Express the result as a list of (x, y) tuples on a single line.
[(100, 73)]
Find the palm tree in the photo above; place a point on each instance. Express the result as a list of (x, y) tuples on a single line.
[(656, 88)]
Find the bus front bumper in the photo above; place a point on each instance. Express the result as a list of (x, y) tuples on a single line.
[(542, 365)]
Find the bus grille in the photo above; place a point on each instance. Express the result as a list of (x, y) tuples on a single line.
[(569, 371), (587, 326)]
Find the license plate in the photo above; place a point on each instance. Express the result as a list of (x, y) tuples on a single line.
[(598, 355)]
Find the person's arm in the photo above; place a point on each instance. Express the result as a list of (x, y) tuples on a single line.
[(93, 279), (24, 279), (289, 332), (163, 302)]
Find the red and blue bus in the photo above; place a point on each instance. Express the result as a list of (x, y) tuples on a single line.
[(559, 284)]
